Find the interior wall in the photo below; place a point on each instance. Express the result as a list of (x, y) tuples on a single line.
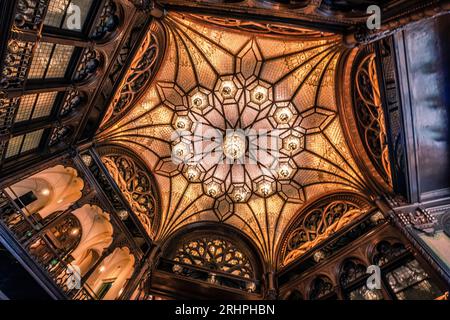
[(424, 66)]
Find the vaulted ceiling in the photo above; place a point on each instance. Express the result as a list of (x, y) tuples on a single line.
[(241, 127)]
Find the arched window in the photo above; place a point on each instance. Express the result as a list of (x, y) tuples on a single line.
[(386, 252), (322, 289), (403, 276), (214, 257), (353, 278), (215, 254)]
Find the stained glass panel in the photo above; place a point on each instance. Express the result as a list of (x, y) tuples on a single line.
[(34, 106), (411, 282), (14, 145), (215, 254), (32, 140), (23, 143), (61, 14), (363, 293), (50, 61), (26, 107)]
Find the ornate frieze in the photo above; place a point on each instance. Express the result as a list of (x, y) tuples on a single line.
[(73, 100), (214, 254), (419, 219), (60, 134), (90, 61), (263, 28), (17, 61), (108, 21), (317, 224), (30, 14), (369, 114), (140, 73), (136, 186)]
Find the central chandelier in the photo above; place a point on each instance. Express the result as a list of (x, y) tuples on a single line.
[(234, 146)]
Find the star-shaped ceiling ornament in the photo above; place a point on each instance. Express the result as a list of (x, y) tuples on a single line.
[(240, 128)]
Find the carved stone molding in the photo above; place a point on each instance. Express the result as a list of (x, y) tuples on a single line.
[(370, 115), (140, 74), (264, 28), (319, 221), (30, 14), (419, 219)]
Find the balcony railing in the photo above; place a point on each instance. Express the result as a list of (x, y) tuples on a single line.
[(210, 276), (54, 262)]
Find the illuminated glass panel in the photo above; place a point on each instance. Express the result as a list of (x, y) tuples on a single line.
[(31, 140), (14, 146), (411, 282), (44, 105), (60, 12), (24, 143), (50, 61), (41, 60), (363, 293), (26, 107), (34, 106), (60, 60), (216, 254), (56, 12)]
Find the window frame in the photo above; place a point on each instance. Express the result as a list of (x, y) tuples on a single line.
[(91, 16)]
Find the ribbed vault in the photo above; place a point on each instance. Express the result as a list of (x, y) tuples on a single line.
[(235, 87)]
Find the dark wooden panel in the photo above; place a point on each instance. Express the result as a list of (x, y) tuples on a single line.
[(427, 56)]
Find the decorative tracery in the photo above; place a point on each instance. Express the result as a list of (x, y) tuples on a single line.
[(136, 185), (370, 115), (266, 28), (215, 254), (351, 271), (216, 80), (142, 70), (386, 252), (321, 287), (318, 224)]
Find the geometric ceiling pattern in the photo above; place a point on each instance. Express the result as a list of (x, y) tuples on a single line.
[(241, 128)]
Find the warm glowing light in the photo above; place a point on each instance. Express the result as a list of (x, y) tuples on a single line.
[(199, 101), (87, 159), (283, 115), (234, 146), (227, 89), (192, 173), (265, 188), (181, 150), (102, 269), (123, 214), (45, 192), (285, 171), (182, 123), (75, 231), (240, 194), (60, 201), (260, 95), (146, 106), (213, 189), (292, 143)]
